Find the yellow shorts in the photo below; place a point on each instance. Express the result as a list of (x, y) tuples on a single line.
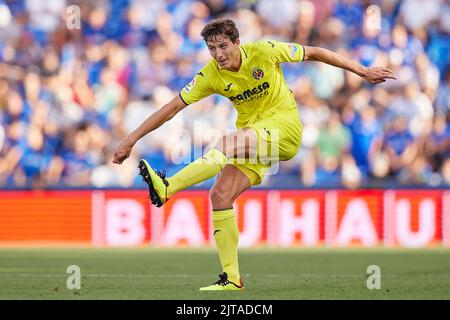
[(279, 139)]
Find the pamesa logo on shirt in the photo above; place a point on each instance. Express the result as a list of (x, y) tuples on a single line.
[(251, 94)]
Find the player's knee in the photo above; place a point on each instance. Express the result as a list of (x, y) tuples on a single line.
[(220, 195)]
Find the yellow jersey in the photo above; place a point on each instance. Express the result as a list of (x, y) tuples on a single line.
[(258, 89)]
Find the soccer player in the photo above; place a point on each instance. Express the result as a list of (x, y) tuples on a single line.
[(268, 123)]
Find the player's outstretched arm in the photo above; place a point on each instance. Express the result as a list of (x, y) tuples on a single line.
[(155, 120), (373, 74)]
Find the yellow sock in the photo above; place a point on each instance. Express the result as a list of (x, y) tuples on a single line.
[(226, 234), (200, 170)]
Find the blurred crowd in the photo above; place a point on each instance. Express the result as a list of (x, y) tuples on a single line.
[(68, 96)]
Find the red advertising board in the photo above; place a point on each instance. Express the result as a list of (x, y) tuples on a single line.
[(341, 218), (413, 218), (296, 218), (183, 220), (354, 217)]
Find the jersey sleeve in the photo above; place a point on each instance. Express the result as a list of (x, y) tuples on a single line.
[(199, 88), (283, 51)]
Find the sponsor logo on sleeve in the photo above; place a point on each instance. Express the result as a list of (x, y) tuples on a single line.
[(189, 86), (293, 49)]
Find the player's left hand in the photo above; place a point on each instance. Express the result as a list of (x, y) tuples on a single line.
[(376, 75)]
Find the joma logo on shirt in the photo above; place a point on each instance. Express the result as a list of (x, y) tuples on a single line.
[(250, 92)]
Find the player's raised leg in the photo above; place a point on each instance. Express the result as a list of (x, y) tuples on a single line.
[(230, 184), (241, 144)]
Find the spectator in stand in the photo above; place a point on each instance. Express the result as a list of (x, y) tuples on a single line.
[(333, 144), (443, 96), (399, 145), (367, 137)]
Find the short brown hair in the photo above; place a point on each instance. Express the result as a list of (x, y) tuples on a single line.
[(218, 27)]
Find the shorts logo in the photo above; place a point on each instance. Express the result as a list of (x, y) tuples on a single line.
[(257, 73), (189, 86)]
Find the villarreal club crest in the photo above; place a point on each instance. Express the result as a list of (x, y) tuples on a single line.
[(257, 73)]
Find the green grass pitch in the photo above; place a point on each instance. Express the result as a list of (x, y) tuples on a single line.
[(268, 273)]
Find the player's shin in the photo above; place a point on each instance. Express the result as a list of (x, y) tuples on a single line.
[(210, 164), (226, 235)]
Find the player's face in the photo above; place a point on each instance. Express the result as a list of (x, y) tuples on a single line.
[(225, 52)]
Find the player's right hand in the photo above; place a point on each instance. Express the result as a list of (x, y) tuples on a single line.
[(123, 151), (376, 75)]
